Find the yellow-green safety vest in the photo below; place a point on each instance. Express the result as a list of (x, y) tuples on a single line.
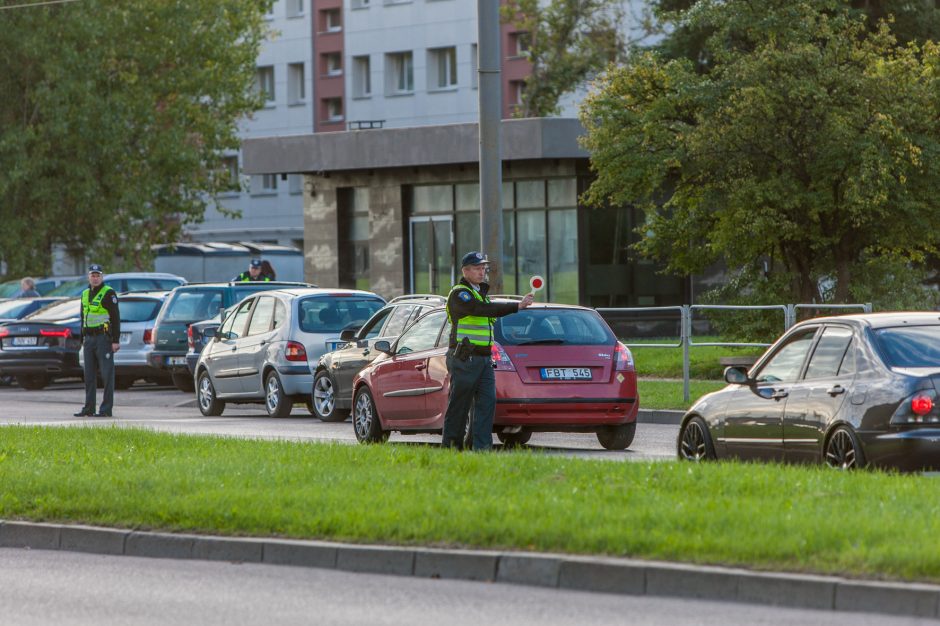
[(93, 313), (476, 328), (246, 278)]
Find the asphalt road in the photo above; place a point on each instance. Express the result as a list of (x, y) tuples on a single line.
[(169, 410), (44, 587)]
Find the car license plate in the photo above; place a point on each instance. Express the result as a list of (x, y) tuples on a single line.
[(334, 345), (25, 341), (125, 338), (176, 360), (566, 373)]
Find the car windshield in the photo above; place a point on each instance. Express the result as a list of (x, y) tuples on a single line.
[(547, 326), (332, 314), (138, 310), (57, 312), (14, 309), (192, 305), (9, 288), (69, 288), (910, 346)]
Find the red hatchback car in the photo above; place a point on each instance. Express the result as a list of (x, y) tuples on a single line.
[(559, 368)]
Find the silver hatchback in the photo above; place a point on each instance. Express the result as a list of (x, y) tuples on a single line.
[(266, 350)]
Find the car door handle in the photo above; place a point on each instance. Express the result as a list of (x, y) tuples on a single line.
[(365, 352), (421, 366), (836, 390), (780, 394)]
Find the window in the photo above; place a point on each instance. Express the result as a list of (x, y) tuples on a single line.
[(331, 20), (362, 77), (360, 4), (519, 44), (398, 320), (238, 322), (332, 315), (295, 184), (374, 326), (829, 353), (295, 8), (264, 82), (192, 306), (785, 364), (332, 109), (332, 64), (280, 314), (268, 183), (264, 315), (422, 335), (516, 92), (139, 310), (400, 72), (474, 65), (296, 91), (442, 68), (230, 172), (354, 236), (913, 346)]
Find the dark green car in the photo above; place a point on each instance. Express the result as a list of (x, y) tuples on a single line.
[(195, 303)]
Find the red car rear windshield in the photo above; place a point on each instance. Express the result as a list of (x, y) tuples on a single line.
[(910, 346), (553, 327)]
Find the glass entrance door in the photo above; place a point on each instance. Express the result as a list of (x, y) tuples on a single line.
[(432, 254)]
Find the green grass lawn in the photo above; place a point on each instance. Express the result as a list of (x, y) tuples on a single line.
[(667, 394), (667, 362), (762, 516)]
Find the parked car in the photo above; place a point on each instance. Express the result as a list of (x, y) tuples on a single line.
[(42, 346), (848, 391), (558, 368), (18, 308), (132, 361), (195, 303), (123, 282), (333, 377), (43, 285), (265, 350)]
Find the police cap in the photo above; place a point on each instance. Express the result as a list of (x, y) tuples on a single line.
[(473, 258), (94, 268), (255, 263)]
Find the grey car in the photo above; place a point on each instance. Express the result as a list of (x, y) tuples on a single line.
[(132, 361), (333, 377), (265, 350)]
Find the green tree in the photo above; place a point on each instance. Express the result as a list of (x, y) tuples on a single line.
[(113, 121), (812, 144), (567, 42)]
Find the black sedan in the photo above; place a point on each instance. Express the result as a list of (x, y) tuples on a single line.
[(42, 346), (848, 391)]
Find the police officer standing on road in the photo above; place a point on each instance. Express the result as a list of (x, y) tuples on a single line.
[(101, 338), (469, 359), (253, 274)]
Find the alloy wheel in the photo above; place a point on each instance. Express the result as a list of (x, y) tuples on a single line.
[(206, 393), (841, 452), (323, 396), (693, 442), (273, 395), (362, 416)]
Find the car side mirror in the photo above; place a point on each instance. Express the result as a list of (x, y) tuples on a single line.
[(348, 335), (209, 333), (383, 346), (737, 375)]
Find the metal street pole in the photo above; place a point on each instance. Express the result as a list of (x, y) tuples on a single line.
[(491, 173)]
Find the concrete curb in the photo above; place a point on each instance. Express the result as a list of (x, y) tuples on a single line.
[(581, 573), (659, 416)]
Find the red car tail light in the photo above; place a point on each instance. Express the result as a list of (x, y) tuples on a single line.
[(59, 332), (918, 409), (623, 361), (921, 405), (295, 351), (4, 332), (189, 337), (501, 361), (148, 336)]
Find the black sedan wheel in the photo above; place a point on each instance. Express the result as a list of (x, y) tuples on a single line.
[(695, 444), (843, 451), (324, 399), (33, 382), (366, 419), (209, 404)]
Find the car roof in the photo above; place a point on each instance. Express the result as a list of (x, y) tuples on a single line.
[(322, 291), (237, 283), (882, 320), (418, 298), (144, 275), (534, 305), (150, 295)]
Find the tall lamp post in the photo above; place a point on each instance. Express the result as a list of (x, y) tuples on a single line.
[(491, 174)]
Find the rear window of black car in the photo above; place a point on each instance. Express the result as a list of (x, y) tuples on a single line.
[(910, 346), (553, 327), (329, 314), (138, 310)]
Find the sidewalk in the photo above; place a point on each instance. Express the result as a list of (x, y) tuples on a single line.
[(583, 573)]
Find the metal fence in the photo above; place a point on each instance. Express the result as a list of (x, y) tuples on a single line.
[(686, 312)]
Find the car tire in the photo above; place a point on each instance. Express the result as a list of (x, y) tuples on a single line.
[(616, 437), (695, 442), (366, 421), (123, 382), (843, 450), (324, 399), (184, 382), (7, 380), (512, 440), (32, 382), (275, 400), (209, 403)]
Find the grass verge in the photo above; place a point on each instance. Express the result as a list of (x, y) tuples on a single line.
[(667, 394), (761, 516)]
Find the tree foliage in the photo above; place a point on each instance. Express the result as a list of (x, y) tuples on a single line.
[(113, 119), (568, 41), (812, 143)]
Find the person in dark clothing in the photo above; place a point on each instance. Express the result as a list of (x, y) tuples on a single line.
[(254, 274), (267, 270), (101, 338), (27, 289), (469, 357)]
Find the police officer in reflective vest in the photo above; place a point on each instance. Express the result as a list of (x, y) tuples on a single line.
[(253, 274), (101, 338), (469, 359)]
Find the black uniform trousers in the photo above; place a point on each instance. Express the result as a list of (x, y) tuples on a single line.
[(99, 359), (472, 385)]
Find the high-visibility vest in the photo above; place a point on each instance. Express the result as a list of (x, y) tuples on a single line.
[(476, 328), (94, 314), (245, 277)]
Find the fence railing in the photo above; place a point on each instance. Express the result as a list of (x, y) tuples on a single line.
[(686, 340)]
